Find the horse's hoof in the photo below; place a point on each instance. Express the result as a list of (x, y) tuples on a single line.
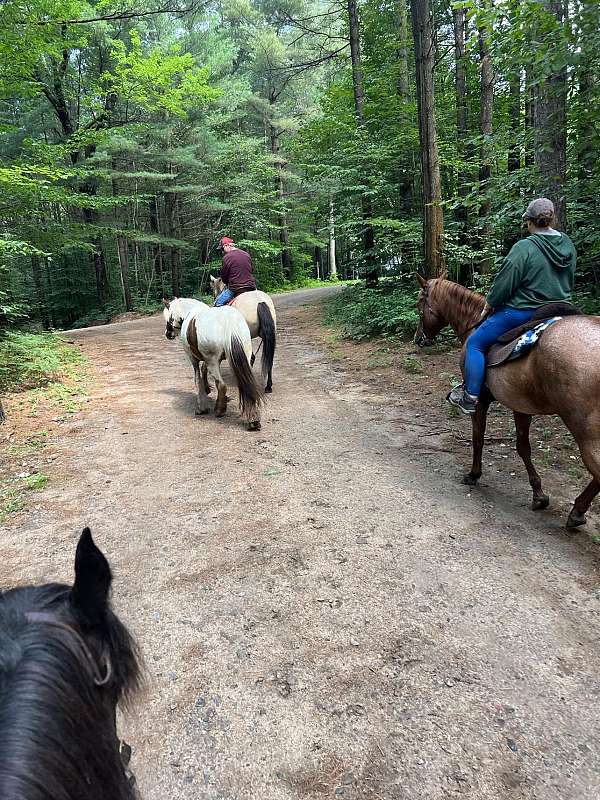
[(269, 389), (254, 426), (470, 480), (200, 412), (220, 412), (541, 502), (575, 520)]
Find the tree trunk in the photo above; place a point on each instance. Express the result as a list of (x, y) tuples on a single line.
[(171, 222), (550, 126), (287, 265), (156, 247), (514, 153), (332, 261), (485, 156), (402, 50), (42, 309), (357, 76), (123, 251), (359, 110), (100, 272), (588, 136), (461, 213), (2, 414), (433, 224), (529, 91)]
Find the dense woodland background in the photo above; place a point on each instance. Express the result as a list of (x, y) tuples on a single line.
[(331, 139)]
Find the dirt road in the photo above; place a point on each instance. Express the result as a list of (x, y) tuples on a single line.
[(322, 614)]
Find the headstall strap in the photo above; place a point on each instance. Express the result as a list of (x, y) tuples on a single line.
[(48, 619)]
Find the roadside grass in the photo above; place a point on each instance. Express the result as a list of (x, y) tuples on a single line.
[(47, 379)]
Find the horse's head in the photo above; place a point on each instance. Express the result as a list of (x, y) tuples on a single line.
[(216, 285), (66, 661), (431, 321), (174, 317)]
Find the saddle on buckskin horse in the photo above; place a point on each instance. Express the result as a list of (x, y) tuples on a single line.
[(519, 341)]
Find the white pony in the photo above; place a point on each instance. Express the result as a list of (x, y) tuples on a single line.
[(209, 335), (259, 312)]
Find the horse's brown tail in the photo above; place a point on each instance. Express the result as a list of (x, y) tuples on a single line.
[(250, 392), (267, 334)]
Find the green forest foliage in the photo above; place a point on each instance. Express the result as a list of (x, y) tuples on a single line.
[(132, 136)]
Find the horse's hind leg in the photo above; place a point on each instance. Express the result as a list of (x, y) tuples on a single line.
[(205, 378), (202, 401), (215, 373), (523, 424), (591, 458), (478, 421)]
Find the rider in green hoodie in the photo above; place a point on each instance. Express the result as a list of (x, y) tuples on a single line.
[(538, 270)]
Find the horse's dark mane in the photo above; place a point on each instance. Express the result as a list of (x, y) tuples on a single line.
[(460, 306), (57, 737)]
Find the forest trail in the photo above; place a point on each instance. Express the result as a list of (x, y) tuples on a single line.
[(321, 614)]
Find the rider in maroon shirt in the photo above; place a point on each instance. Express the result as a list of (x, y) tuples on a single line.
[(236, 272)]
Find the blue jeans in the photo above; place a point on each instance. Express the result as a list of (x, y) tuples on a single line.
[(225, 296), (484, 337)]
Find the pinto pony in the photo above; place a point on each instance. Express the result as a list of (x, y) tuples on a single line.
[(210, 335), (560, 375), (259, 312), (66, 661)]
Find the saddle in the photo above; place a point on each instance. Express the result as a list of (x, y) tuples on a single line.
[(519, 341)]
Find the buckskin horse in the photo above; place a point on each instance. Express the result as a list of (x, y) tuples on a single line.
[(259, 312), (209, 336), (66, 661), (560, 375)]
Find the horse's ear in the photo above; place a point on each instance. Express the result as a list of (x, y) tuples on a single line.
[(166, 303), (92, 580), (422, 280), (213, 279)]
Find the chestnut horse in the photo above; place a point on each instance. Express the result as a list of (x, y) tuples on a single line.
[(561, 375)]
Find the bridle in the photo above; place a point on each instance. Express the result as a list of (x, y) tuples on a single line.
[(49, 619), (439, 317)]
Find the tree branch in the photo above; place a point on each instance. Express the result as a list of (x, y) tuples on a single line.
[(125, 14)]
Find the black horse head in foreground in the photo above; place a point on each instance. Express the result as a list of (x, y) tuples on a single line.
[(66, 661)]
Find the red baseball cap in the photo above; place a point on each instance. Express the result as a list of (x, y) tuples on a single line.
[(226, 240)]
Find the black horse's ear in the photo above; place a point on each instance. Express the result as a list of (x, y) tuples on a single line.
[(422, 280), (92, 580), (166, 303)]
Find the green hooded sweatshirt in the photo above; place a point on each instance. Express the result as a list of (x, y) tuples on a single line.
[(538, 270)]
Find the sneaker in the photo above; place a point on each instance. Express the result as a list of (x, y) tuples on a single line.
[(461, 399)]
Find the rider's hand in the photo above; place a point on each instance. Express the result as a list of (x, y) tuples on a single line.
[(487, 310)]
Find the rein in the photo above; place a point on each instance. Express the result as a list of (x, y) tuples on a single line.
[(48, 619)]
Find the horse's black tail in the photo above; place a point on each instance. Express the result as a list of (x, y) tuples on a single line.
[(250, 392), (267, 334)]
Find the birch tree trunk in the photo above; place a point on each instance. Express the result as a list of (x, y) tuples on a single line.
[(433, 223), (332, 262)]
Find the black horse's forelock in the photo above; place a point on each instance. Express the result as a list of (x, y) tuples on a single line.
[(57, 732)]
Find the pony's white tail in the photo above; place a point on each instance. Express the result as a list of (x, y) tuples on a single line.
[(251, 394)]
